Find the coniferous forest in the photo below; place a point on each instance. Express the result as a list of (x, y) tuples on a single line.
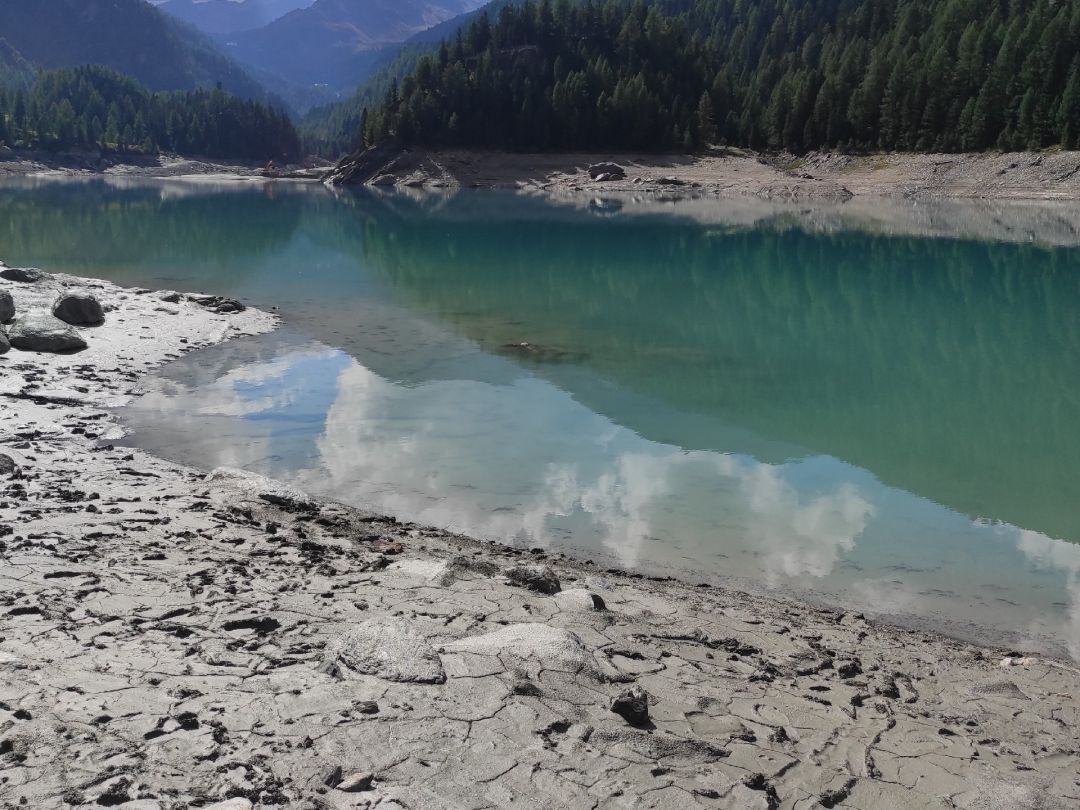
[(910, 75), (95, 107)]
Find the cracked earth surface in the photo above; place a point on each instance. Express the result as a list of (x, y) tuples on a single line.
[(170, 639)]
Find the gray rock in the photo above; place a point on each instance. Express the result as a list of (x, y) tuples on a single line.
[(231, 804), (40, 331), (539, 578), (254, 487), (356, 782), (5, 344), (385, 649), (8, 467), (169, 297), (579, 600), (7, 307), (632, 705), (78, 308), (529, 649), (24, 275), (607, 171)]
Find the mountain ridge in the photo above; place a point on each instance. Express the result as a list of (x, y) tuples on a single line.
[(131, 37)]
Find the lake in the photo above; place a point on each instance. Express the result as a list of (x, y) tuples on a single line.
[(878, 408)]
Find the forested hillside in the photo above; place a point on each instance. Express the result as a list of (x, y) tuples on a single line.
[(922, 75), (129, 36), (94, 107), (14, 70)]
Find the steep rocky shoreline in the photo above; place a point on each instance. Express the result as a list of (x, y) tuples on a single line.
[(173, 639)]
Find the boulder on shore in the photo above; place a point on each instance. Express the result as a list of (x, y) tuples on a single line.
[(79, 308), (25, 275), (607, 171), (7, 307), (5, 344), (40, 331)]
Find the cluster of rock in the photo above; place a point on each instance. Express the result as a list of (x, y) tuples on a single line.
[(39, 330), (52, 329)]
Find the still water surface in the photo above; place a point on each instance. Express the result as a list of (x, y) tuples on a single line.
[(889, 422)]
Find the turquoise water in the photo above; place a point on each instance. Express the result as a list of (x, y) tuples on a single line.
[(887, 422)]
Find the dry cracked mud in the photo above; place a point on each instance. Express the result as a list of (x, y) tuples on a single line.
[(170, 639)]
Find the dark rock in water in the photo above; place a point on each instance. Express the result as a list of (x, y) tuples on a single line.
[(7, 307), (25, 275), (632, 705), (607, 171), (8, 467), (40, 331), (537, 578), (5, 344), (79, 308)]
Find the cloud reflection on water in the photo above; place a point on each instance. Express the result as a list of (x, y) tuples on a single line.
[(523, 461)]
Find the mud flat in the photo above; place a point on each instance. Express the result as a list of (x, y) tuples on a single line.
[(177, 639)]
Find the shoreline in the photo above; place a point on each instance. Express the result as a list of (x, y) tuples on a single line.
[(727, 172), (162, 624), (823, 177)]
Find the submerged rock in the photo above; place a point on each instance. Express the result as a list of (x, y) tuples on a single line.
[(24, 275), (388, 650), (7, 307), (537, 578), (40, 331), (79, 308)]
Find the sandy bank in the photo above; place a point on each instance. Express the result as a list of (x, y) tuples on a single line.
[(733, 172), (47, 164), (172, 640)]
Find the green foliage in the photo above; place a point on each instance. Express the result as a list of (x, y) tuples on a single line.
[(94, 107), (911, 75)]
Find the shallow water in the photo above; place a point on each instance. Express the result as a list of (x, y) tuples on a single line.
[(786, 398)]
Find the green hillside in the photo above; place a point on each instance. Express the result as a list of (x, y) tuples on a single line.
[(917, 75)]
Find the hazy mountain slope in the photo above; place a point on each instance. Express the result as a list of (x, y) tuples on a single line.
[(338, 42), (15, 71), (229, 16), (333, 129), (129, 36)]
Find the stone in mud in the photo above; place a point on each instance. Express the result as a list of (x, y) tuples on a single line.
[(252, 486), (388, 650), (539, 578), (24, 275), (40, 331), (529, 649), (7, 307), (356, 782), (79, 309), (579, 600), (8, 467), (632, 705)]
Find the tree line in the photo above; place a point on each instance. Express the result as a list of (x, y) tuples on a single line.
[(97, 108), (908, 75)]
